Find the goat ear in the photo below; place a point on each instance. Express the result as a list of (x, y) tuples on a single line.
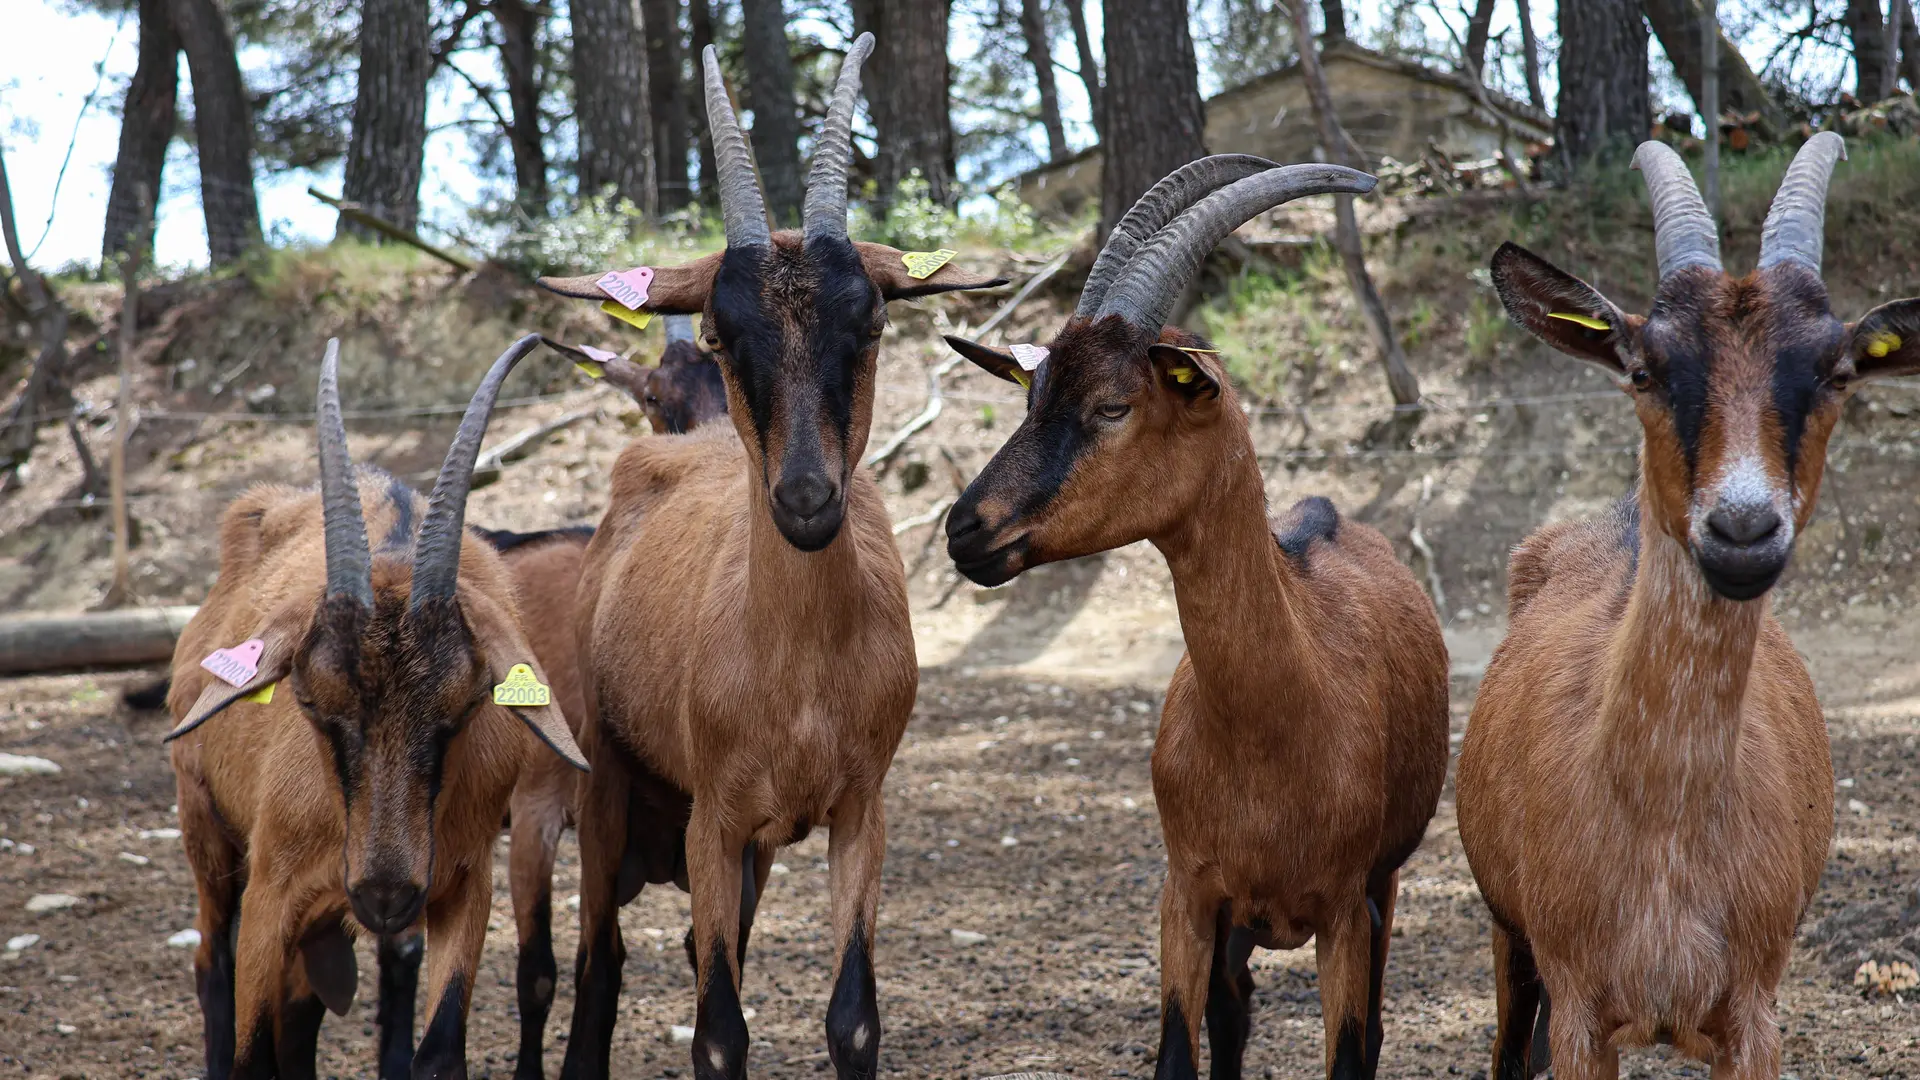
[(1886, 342), (995, 362), (1562, 310), (278, 642), (675, 290), (887, 266), (505, 648), (1190, 373)]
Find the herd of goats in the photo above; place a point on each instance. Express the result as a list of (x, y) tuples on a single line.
[(1645, 790)]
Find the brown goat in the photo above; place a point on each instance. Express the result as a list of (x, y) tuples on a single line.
[(1645, 791), (374, 780), (743, 613), (1304, 739), (681, 392)]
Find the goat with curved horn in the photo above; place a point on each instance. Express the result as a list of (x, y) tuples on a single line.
[(741, 206), (1153, 280), (349, 566), (826, 208), (436, 554), (1683, 231), (1796, 222), (1175, 192)]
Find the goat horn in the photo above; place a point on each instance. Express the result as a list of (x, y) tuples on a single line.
[(1797, 222), (1146, 291), (349, 566), (826, 209), (740, 202), (1683, 232), (436, 553), (1175, 192), (679, 328)]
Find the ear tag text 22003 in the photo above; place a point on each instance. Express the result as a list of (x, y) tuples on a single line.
[(522, 687), (922, 264), (236, 666)]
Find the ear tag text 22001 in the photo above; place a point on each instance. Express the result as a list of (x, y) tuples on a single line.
[(236, 666), (522, 687), (922, 264), (627, 286)]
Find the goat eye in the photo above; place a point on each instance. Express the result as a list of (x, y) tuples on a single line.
[(1114, 412), (1641, 380)]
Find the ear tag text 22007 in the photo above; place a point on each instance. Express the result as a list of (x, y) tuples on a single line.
[(522, 687), (236, 666), (922, 264)]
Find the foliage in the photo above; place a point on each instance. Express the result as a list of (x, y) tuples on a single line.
[(914, 220)]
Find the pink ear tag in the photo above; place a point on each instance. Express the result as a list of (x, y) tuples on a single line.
[(629, 287), (236, 666), (595, 358), (1029, 357)]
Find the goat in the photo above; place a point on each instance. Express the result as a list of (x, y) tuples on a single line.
[(679, 393), (1303, 742), (743, 612), (1645, 788), (374, 782)]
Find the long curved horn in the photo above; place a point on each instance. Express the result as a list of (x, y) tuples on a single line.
[(349, 566), (436, 552), (826, 209), (1154, 279), (1683, 232), (1175, 192), (1796, 224), (679, 328), (741, 206)]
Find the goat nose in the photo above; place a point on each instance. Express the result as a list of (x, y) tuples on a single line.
[(386, 907), (803, 496), (1744, 524), (963, 521)]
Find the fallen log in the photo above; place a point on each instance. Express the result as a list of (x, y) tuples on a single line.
[(34, 643)]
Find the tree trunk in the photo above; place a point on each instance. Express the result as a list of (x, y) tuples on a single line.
[(700, 31), (1709, 100), (1334, 140), (1910, 49), (1479, 29), (1869, 34), (50, 316), (389, 143), (610, 101), (1530, 50), (146, 127), (520, 24), (1089, 67), (665, 103), (1605, 105), (1897, 13), (1677, 23), (1334, 15), (776, 115), (1155, 121), (223, 129), (907, 92), (96, 639), (1033, 25)]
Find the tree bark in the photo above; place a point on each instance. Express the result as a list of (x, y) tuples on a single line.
[(146, 127), (1897, 13), (665, 102), (520, 24), (776, 116), (51, 642), (1089, 67), (1910, 49), (1479, 30), (1334, 15), (1869, 34), (1334, 140), (389, 142), (700, 31), (1677, 23), (610, 101), (1530, 50), (1033, 25), (1155, 120), (907, 93), (223, 129), (50, 316), (1605, 104)]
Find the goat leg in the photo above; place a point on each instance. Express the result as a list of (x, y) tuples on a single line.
[(1382, 894), (539, 816), (1580, 1050), (856, 848), (1516, 998), (1344, 953), (262, 956), (1229, 996), (1747, 1047), (714, 870), (456, 930), (602, 825), (1187, 932), (399, 962), (296, 1034), (216, 877)]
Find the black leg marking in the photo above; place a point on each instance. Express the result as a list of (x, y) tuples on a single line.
[(1229, 998), (399, 960), (596, 1001), (719, 1028), (1176, 1049), (255, 1061), (299, 1038), (215, 989), (1542, 1054), (853, 1013), (1376, 986), (749, 902), (534, 981), (1524, 999), (1349, 1062), (443, 1047)]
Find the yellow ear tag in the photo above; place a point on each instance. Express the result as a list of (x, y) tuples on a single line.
[(638, 319), (1194, 351), (1587, 321), (1021, 377), (922, 264), (591, 369), (522, 687), (1181, 375), (1882, 344), (263, 696)]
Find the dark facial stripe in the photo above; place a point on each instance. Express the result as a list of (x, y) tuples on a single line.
[(751, 333), (843, 318), (1680, 360)]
